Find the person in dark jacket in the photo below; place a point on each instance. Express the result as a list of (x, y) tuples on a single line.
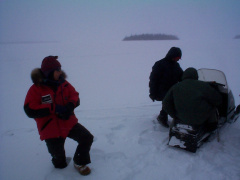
[(51, 101), (193, 102), (165, 73)]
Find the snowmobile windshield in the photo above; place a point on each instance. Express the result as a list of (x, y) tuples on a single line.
[(213, 75)]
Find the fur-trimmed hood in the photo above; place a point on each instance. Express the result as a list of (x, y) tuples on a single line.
[(38, 77)]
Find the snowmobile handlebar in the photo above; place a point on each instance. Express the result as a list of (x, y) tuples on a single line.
[(214, 83)]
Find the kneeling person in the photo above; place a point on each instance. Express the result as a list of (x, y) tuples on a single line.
[(193, 102)]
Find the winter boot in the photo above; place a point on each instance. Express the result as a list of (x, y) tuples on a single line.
[(163, 120), (83, 169), (59, 163)]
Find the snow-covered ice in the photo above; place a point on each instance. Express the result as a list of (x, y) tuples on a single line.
[(115, 107)]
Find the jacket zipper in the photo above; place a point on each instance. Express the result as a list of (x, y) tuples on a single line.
[(60, 134), (45, 125)]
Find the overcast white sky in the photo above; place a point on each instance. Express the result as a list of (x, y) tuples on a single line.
[(76, 20)]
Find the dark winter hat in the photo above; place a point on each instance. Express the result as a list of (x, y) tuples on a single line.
[(190, 73), (174, 52), (50, 64)]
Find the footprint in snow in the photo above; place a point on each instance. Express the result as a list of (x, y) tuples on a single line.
[(17, 131), (119, 127)]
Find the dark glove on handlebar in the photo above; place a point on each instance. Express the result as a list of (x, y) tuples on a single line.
[(214, 85)]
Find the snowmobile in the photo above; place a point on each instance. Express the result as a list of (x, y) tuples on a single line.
[(190, 138)]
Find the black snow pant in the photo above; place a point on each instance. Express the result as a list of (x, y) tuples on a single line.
[(212, 121), (163, 115), (81, 157)]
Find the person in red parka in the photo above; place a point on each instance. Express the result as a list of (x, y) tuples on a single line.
[(51, 101)]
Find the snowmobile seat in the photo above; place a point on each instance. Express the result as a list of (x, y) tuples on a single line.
[(187, 137)]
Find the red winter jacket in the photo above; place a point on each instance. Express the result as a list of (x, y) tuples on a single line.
[(40, 104)]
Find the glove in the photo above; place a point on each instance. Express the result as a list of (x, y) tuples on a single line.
[(152, 97), (64, 112)]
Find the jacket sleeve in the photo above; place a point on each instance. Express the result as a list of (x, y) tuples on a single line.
[(33, 106), (154, 79), (168, 104), (212, 96), (181, 73), (73, 95)]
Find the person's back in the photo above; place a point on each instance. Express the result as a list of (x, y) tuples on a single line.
[(191, 101), (165, 73)]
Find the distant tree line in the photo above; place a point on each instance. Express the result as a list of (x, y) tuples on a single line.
[(150, 37), (237, 37)]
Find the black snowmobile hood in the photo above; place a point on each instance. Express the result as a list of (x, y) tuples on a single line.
[(190, 73)]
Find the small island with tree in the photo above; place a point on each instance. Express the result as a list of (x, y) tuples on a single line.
[(142, 37), (237, 37)]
